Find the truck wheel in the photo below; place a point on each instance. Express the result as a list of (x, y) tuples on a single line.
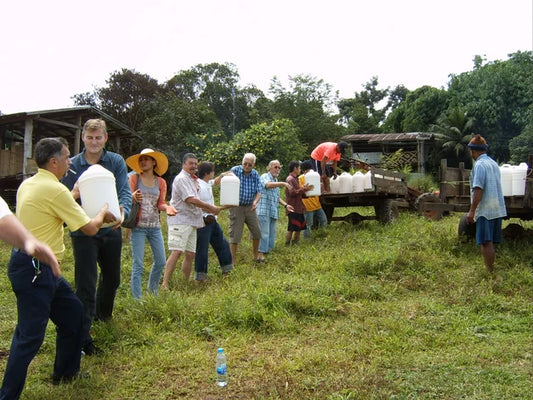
[(329, 212), (420, 203), (466, 230), (385, 211)]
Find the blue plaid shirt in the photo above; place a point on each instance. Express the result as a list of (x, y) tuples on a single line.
[(486, 176), (250, 185), (268, 203)]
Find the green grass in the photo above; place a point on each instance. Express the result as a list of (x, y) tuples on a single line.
[(400, 311)]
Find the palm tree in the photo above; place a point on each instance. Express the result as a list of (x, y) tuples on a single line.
[(453, 133)]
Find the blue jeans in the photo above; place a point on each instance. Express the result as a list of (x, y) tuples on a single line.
[(155, 239), (268, 233), (88, 251), (322, 220), (211, 234), (45, 298)]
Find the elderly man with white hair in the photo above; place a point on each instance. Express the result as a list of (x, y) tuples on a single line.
[(268, 210), (249, 195)]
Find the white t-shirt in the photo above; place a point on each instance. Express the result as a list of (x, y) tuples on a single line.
[(4, 208), (206, 192)]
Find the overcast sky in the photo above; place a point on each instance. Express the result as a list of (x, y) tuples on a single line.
[(51, 50)]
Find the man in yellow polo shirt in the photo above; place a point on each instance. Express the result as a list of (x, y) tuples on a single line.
[(43, 205), (15, 234)]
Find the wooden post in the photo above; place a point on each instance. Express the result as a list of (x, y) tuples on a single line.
[(463, 177), (28, 146), (77, 136), (442, 177), (421, 156)]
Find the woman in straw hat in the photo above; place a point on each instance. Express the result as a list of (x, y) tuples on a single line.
[(148, 189)]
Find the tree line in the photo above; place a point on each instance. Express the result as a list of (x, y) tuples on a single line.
[(207, 111)]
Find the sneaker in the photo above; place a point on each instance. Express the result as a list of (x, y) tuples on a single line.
[(59, 379), (90, 350)]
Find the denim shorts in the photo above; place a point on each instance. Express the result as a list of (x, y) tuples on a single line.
[(488, 230)]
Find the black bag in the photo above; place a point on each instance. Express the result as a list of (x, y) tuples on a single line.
[(209, 219), (131, 221)]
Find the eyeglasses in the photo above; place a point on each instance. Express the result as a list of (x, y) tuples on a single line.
[(247, 164), (277, 166)]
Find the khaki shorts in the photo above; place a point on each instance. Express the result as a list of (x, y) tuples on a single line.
[(182, 238), (238, 216)]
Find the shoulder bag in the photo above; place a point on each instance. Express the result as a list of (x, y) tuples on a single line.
[(131, 221)]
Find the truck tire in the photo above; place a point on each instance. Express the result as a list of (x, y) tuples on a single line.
[(329, 212), (466, 230), (385, 211), (423, 199)]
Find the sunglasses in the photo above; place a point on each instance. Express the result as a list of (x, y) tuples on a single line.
[(247, 164)]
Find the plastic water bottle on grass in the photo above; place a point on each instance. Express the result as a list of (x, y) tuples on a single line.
[(222, 375)]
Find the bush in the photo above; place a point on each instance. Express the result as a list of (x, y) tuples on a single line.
[(277, 140), (423, 182)]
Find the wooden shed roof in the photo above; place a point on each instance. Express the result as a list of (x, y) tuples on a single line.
[(62, 122)]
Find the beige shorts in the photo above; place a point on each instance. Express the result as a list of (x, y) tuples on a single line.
[(182, 238)]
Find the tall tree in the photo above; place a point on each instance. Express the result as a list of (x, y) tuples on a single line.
[(394, 120), (497, 94), (396, 97), (453, 132), (309, 103), (176, 126), (521, 146), (420, 109), (216, 85), (125, 97), (362, 113)]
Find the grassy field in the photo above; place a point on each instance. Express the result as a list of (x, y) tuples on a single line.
[(400, 311)]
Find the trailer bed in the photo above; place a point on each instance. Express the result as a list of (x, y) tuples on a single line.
[(389, 191)]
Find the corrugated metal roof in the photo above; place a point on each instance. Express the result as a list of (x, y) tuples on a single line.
[(387, 137)]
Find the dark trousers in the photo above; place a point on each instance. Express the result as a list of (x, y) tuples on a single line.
[(46, 298), (211, 234), (319, 168), (88, 252)]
